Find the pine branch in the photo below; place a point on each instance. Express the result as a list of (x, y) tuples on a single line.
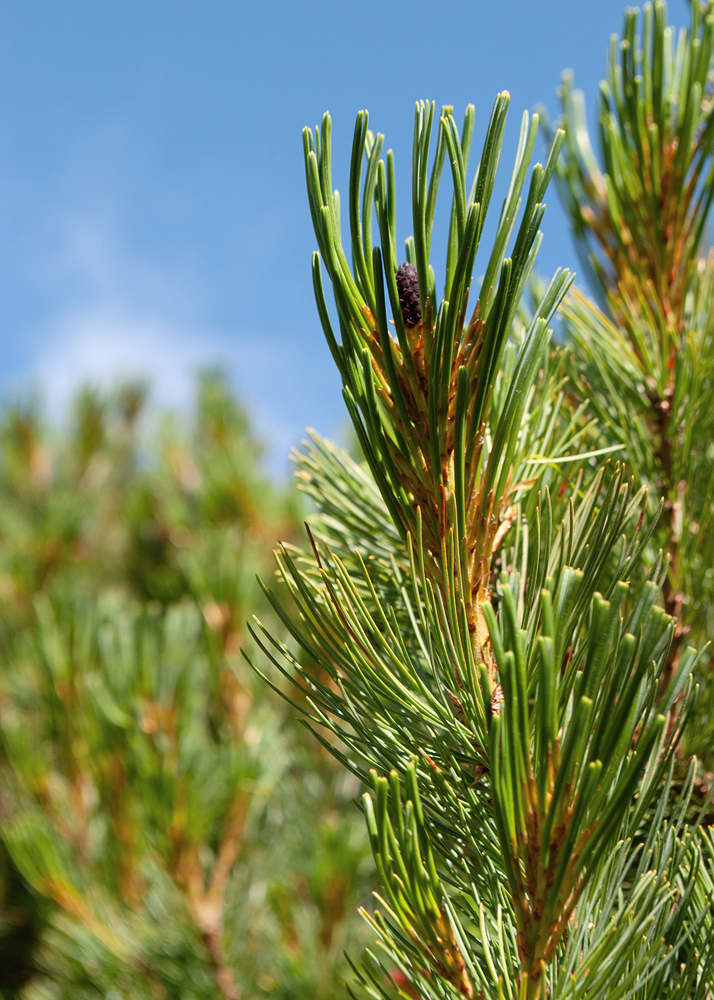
[(639, 221), (484, 659), (421, 403), (644, 364)]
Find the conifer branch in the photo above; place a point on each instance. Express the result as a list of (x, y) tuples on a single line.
[(484, 661), (644, 362)]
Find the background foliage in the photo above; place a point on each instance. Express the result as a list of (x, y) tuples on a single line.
[(167, 828)]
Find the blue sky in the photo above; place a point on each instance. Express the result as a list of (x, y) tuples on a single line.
[(153, 203)]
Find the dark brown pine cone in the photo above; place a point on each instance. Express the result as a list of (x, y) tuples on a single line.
[(408, 288)]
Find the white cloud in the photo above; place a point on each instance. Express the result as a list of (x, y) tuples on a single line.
[(118, 315), (105, 344)]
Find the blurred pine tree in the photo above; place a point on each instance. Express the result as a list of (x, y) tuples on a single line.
[(167, 831)]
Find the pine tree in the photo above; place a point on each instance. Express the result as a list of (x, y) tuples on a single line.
[(481, 598), (166, 830), (643, 355)]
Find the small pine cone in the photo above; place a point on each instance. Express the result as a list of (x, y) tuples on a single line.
[(408, 288)]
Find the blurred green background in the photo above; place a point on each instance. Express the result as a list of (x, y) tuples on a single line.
[(167, 828)]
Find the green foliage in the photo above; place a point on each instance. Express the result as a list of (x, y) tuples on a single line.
[(483, 609), (399, 392), (168, 830), (639, 222), (501, 639), (493, 779), (643, 359)]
